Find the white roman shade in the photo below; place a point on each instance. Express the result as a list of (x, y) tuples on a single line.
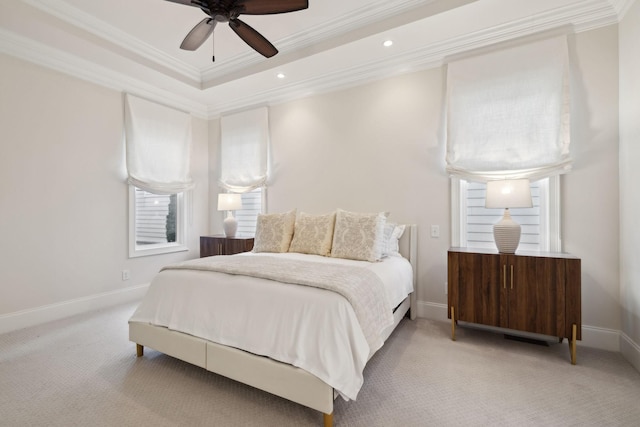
[(508, 113), (158, 142), (244, 150)]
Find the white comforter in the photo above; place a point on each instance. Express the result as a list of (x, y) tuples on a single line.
[(311, 328)]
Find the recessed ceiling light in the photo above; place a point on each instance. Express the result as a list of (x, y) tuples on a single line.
[(387, 43), (281, 75)]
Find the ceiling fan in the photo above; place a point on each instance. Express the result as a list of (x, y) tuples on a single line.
[(228, 11)]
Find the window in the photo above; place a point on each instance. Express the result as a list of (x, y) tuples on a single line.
[(244, 152), (508, 117), (158, 142), (252, 204), (472, 223), (156, 223)]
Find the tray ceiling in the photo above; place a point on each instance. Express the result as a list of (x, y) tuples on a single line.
[(133, 46)]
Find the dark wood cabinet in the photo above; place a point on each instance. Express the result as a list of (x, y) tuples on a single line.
[(536, 292), (222, 245)]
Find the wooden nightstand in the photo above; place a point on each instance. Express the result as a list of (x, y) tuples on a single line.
[(531, 292), (223, 245)]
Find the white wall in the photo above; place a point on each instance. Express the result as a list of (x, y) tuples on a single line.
[(590, 199), (64, 198), (629, 179), (380, 147), (368, 149)]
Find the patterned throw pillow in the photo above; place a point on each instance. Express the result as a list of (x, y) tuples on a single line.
[(358, 236), (313, 234), (274, 232)]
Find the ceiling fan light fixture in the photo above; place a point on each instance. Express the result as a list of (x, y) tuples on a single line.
[(228, 11)]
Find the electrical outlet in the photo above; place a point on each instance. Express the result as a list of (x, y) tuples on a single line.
[(125, 275), (435, 231)]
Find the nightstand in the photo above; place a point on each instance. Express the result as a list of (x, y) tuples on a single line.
[(533, 292), (223, 245)]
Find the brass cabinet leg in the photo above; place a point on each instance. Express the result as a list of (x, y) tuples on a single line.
[(328, 420), (572, 343), (453, 325), (139, 350)]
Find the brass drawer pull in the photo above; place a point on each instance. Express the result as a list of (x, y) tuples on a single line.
[(511, 276), (504, 276)]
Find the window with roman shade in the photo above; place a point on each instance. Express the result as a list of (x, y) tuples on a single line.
[(508, 117), (244, 151), (158, 148)]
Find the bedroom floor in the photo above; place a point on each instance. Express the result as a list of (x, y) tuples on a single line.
[(82, 371)]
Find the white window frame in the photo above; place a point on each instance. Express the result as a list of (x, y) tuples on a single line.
[(263, 204), (550, 215), (179, 245)]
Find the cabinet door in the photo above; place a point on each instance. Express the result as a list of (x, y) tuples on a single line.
[(210, 246), (480, 291), (236, 246), (536, 294)]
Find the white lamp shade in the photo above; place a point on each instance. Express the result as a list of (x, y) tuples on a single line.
[(229, 201), (508, 193)]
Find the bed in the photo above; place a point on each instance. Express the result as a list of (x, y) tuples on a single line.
[(209, 314)]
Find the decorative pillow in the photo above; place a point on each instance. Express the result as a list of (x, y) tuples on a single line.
[(274, 232), (313, 234), (392, 234), (358, 235)]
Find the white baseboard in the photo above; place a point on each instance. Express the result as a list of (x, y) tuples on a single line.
[(35, 316), (630, 350), (604, 339), (432, 310), (592, 336)]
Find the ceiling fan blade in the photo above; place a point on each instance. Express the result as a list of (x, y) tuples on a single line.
[(268, 7), (253, 38), (187, 2), (198, 34)]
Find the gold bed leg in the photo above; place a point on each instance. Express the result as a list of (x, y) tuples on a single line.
[(572, 344), (453, 325), (328, 420), (139, 350)]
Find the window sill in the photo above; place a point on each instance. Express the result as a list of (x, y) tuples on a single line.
[(157, 249)]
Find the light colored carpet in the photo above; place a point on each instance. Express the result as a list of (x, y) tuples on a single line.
[(82, 371)]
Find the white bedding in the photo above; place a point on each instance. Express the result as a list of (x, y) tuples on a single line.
[(311, 328)]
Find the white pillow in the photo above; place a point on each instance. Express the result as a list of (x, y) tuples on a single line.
[(313, 234), (392, 234), (274, 232), (358, 236)]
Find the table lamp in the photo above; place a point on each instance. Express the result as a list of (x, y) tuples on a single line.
[(230, 202), (508, 193)]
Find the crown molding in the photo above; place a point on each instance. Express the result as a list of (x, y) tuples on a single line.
[(588, 15), (621, 7), (74, 16), (580, 16), (376, 11), (46, 56)]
